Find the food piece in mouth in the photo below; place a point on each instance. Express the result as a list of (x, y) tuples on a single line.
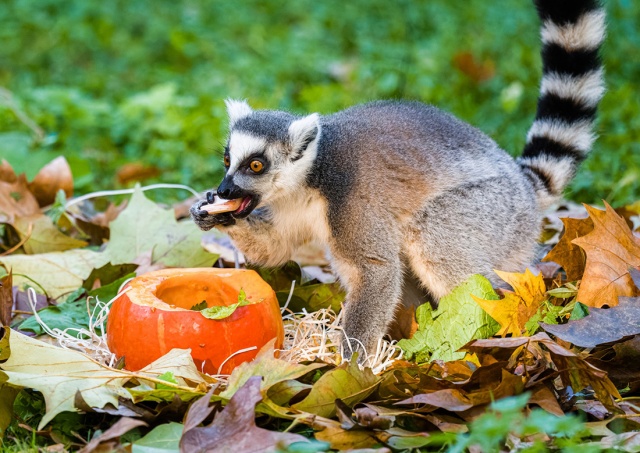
[(222, 205)]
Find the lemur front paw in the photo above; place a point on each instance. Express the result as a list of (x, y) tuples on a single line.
[(206, 221)]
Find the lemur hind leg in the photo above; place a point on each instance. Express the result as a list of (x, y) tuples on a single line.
[(473, 229), (367, 260)]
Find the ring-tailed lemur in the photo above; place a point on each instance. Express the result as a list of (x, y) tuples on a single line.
[(397, 188)]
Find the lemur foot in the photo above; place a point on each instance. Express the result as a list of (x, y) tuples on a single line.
[(351, 346)]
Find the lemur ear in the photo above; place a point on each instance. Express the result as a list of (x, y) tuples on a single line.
[(237, 110), (304, 131)]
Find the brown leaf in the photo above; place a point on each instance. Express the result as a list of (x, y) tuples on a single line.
[(6, 172), (54, 176), (122, 426), (544, 397), (601, 325), (611, 249), (16, 200), (450, 399), (136, 171), (6, 299), (339, 438), (459, 400), (233, 429), (469, 65), (567, 254), (573, 370), (621, 361)]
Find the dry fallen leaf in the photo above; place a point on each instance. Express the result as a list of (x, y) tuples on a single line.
[(513, 312), (136, 171), (233, 429), (477, 70), (568, 255), (16, 200), (122, 426), (601, 325), (54, 176), (6, 172), (611, 249), (6, 299), (42, 236)]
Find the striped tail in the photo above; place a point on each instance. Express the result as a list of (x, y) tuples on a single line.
[(572, 86)]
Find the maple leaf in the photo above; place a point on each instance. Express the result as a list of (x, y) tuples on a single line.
[(611, 249), (516, 308), (59, 374), (567, 254), (146, 228)]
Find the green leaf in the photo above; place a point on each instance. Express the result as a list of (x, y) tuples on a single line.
[(199, 307), (144, 227), (74, 313), (222, 311), (107, 274), (280, 278), (8, 394), (271, 369), (167, 394), (161, 439), (579, 311), (5, 345), (68, 315), (562, 292), (166, 376), (346, 382), (313, 297), (107, 292), (458, 320), (57, 272)]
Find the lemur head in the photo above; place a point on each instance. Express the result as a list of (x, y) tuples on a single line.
[(267, 156)]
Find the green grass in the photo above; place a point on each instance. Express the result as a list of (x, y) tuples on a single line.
[(141, 80)]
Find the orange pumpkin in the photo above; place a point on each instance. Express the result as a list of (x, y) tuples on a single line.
[(153, 315)]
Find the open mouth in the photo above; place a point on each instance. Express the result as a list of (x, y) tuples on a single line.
[(246, 206)]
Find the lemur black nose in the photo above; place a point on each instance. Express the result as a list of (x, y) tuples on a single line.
[(225, 188)]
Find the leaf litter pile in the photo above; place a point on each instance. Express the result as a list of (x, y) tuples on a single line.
[(551, 363)]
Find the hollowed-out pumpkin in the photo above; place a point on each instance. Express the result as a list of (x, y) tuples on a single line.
[(154, 314)]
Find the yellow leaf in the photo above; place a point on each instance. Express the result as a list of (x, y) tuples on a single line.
[(517, 307), (611, 249)]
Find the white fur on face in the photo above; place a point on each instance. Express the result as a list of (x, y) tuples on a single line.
[(241, 146), (294, 173)]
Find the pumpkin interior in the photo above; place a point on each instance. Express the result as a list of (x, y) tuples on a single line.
[(185, 291)]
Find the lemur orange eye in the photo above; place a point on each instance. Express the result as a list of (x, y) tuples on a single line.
[(256, 166), (227, 161)]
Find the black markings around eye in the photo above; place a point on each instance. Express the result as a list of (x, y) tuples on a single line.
[(255, 164)]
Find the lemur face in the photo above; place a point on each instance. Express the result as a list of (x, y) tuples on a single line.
[(267, 156)]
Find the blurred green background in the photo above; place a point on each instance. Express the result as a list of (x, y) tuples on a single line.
[(111, 82)]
